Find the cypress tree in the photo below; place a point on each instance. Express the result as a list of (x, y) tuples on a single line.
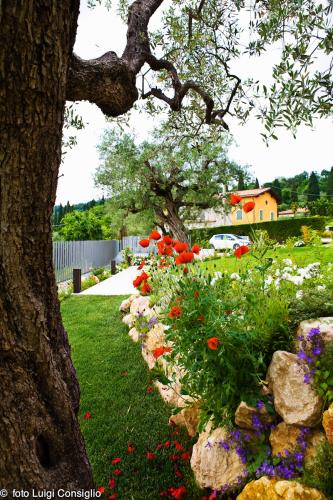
[(256, 186), (277, 189), (329, 190), (313, 190), (241, 183)]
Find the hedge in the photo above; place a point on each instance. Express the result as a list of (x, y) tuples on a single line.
[(278, 230)]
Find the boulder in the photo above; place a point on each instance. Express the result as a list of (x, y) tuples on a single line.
[(328, 423), (325, 326), (129, 320), (134, 334), (213, 466), (189, 418), (169, 393), (125, 305), (155, 337), (294, 400), (284, 437), (271, 489), (140, 306), (245, 414)]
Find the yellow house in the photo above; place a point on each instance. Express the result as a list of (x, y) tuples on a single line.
[(265, 209)]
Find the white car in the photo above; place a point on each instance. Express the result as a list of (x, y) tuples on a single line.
[(226, 241)]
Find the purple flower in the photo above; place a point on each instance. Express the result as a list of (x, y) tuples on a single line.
[(224, 445), (316, 350), (260, 405), (300, 337), (301, 355), (307, 378), (256, 422), (313, 332), (153, 321), (208, 445)]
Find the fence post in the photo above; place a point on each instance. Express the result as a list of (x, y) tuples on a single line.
[(113, 267), (76, 280)]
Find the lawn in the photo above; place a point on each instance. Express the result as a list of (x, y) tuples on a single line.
[(114, 380), (300, 256)]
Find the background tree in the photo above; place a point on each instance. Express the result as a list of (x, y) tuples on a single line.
[(176, 181), (81, 226), (277, 189), (313, 191), (41, 445), (256, 184), (329, 189), (241, 182)]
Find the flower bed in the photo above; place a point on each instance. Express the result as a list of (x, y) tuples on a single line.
[(213, 343)]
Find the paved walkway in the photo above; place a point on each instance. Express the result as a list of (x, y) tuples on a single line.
[(119, 284)]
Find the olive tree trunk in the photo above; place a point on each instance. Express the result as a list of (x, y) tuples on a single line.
[(40, 440)]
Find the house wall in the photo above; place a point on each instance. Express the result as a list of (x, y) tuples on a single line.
[(265, 202)]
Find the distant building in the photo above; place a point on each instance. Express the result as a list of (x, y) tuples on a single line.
[(266, 209), (290, 213)]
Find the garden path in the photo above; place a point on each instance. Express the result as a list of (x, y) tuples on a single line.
[(119, 284)]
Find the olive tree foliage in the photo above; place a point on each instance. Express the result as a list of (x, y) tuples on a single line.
[(197, 59), (175, 179)]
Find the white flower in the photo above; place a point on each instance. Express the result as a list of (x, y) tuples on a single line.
[(321, 287), (297, 280), (269, 280), (288, 262), (299, 294), (277, 283), (235, 276), (277, 272)]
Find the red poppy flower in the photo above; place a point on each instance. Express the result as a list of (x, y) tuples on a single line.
[(241, 251), (145, 288), (116, 461), (185, 456), (113, 496), (137, 282), (142, 263), (180, 247), (178, 473), (112, 483), (117, 472), (235, 199), (87, 415), (178, 446), (213, 343), (155, 235), (101, 489), (167, 444), (159, 351), (187, 257), (144, 243), (150, 455), (248, 206), (174, 457), (130, 448), (175, 312), (196, 294), (201, 317), (167, 240), (185, 270), (177, 493), (149, 389), (196, 249)]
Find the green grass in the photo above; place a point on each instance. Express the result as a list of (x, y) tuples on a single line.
[(113, 379), (301, 256)]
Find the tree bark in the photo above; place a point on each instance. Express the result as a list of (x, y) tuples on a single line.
[(169, 217), (41, 444)]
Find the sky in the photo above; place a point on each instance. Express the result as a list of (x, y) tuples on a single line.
[(100, 31)]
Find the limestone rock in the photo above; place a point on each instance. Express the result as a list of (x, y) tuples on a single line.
[(155, 337), (271, 489), (129, 320), (213, 466), (325, 326), (169, 393), (134, 334), (140, 306), (284, 437), (295, 401), (328, 423), (189, 418), (125, 305), (245, 413)]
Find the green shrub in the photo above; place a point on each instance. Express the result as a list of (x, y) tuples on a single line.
[(319, 473), (277, 230)]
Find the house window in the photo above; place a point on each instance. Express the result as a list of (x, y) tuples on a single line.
[(261, 215), (239, 215), (272, 215)]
